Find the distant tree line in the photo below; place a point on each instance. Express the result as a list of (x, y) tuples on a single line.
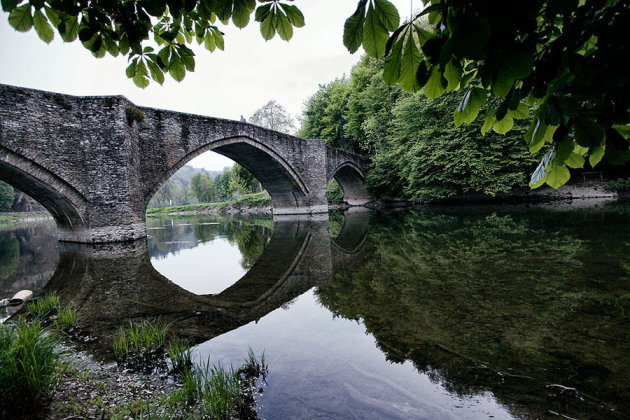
[(192, 186), (12, 199)]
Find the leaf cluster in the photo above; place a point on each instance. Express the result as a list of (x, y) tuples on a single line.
[(155, 35), (560, 64)]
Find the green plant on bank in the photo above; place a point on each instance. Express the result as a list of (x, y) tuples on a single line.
[(140, 341), (178, 350), (43, 307), (66, 318), (261, 199), (618, 185), (29, 366)]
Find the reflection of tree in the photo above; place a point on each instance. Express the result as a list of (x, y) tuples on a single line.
[(168, 236), (9, 255), (495, 303)]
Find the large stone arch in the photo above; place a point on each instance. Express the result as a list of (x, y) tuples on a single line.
[(64, 202), (277, 176), (351, 178)]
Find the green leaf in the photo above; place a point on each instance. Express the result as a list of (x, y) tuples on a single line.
[(294, 14), (558, 176), (453, 75), (240, 14), (575, 161), (21, 19), (176, 68), (375, 35), (588, 133), (268, 26), (513, 67), (131, 69), (468, 108), (434, 87), (409, 63), (42, 27), (624, 130), (141, 78), (596, 154), (388, 14), (391, 73), (71, 31), (209, 42), (488, 122), (520, 113), (504, 125), (164, 55), (262, 12), (564, 150), (156, 73), (218, 38), (285, 30), (53, 16), (353, 28)]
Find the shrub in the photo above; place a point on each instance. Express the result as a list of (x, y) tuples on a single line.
[(334, 193), (29, 365), (618, 185), (66, 318), (134, 114)]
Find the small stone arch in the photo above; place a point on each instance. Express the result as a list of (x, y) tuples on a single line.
[(287, 189), (352, 181), (63, 201)]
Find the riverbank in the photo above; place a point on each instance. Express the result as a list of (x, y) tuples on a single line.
[(258, 203), (23, 217)]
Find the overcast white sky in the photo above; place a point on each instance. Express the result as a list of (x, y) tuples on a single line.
[(225, 84)]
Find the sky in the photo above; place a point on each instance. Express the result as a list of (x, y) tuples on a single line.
[(247, 75)]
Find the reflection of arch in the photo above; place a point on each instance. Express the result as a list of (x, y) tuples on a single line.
[(354, 232), (62, 200), (352, 181), (112, 283), (275, 174)]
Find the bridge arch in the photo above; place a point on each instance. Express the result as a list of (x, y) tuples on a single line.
[(64, 202), (351, 179), (276, 175)]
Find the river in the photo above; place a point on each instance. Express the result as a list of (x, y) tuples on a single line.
[(460, 312)]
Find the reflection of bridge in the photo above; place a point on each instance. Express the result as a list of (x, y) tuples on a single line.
[(95, 162), (113, 283)]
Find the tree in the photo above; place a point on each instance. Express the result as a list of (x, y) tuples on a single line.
[(236, 186), (251, 184), (203, 188), (561, 63), (274, 117), (6, 196), (324, 115)]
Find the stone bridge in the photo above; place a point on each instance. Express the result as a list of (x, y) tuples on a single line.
[(95, 162)]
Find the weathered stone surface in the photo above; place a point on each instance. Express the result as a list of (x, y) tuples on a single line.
[(95, 162)]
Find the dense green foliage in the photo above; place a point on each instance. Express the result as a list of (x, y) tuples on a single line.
[(334, 193), (6, 196), (416, 152)]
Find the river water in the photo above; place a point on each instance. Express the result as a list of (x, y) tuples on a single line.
[(462, 312)]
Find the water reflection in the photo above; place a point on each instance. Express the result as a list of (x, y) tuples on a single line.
[(503, 311)]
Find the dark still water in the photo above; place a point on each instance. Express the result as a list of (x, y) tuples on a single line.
[(466, 312)]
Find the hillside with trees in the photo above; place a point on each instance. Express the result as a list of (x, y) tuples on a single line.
[(415, 150)]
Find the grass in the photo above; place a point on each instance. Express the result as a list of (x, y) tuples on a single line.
[(66, 318), (179, 352), (141, 343), (29, 365), (261, 199), (43, 307)]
